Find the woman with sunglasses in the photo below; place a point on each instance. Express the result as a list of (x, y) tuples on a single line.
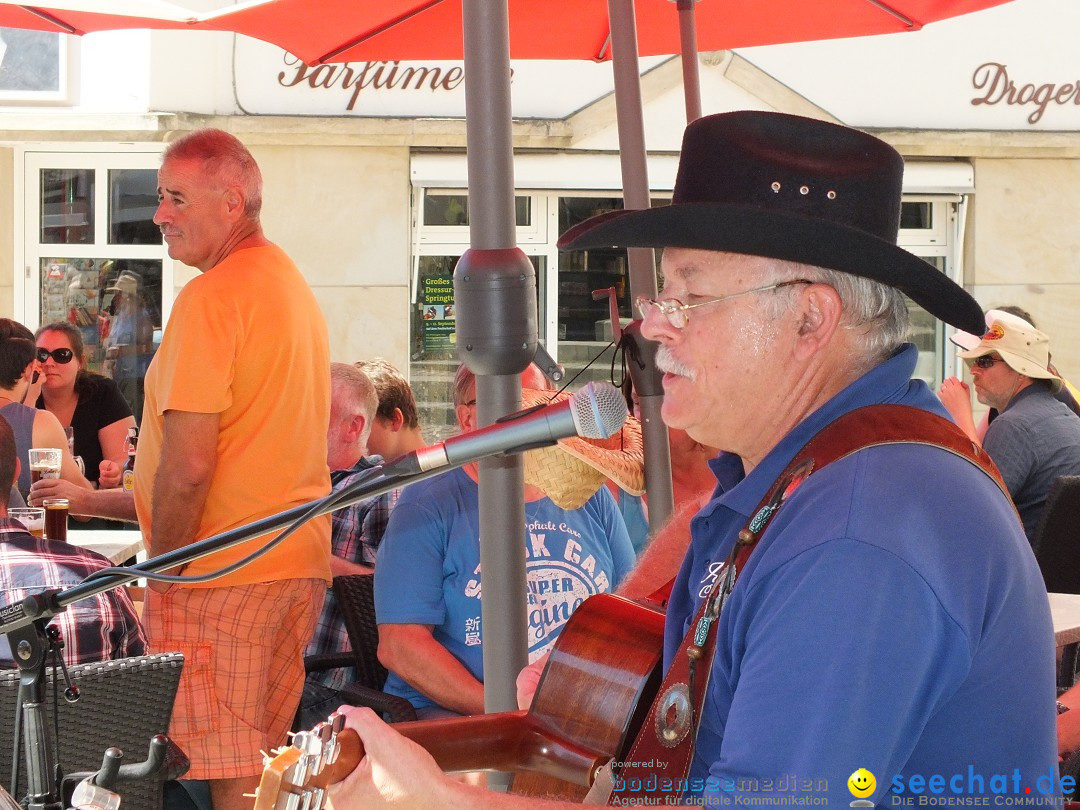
[(32, 428), (89, 403)]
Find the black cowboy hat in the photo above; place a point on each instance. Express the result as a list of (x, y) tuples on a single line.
[(792, 188)]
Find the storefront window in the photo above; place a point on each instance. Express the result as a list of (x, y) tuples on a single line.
[(110, 274), (67, 206), (116, 305), (434, 357), (132, 202), (916, 215), (453, 209), (928, 336), (576, 323)]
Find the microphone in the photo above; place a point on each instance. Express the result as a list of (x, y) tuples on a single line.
[(597, 411)]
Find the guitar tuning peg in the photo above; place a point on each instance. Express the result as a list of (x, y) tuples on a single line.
[(337, 722)]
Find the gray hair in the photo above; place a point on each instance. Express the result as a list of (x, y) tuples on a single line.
[(351, 392), (224, 157), (875, 313)]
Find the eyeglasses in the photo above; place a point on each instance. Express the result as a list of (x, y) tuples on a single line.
[(61, 356), (675, 310), (984, 362)]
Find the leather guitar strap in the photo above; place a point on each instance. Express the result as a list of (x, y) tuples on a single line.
[(670, 728)]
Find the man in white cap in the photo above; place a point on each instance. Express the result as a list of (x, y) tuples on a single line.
[(956, 395), (1035, 438)]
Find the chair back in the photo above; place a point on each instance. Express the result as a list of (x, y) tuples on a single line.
[(355, 594), (124, 703), (1057, 537)]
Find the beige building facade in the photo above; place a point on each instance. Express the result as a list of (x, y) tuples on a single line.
[(365, 178)]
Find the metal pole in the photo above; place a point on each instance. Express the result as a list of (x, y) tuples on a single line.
[(690, 76), (635, 177), (495, 292)]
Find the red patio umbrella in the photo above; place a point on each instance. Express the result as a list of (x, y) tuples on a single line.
[(333, 31), (83, 17)]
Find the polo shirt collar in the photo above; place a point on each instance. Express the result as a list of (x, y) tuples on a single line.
[(889, 382)]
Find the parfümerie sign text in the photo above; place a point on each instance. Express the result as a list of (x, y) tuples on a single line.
[(355, 77)]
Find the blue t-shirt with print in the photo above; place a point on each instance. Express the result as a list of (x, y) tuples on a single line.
[(428, 567)]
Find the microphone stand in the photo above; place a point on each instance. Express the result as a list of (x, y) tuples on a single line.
[(24, 622)]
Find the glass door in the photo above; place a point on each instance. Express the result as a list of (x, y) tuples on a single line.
[(94, 258)]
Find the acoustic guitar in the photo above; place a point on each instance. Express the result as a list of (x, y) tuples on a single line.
[(594, 693)]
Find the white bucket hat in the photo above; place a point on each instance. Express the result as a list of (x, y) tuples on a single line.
[(1024, 348), (968, 341)]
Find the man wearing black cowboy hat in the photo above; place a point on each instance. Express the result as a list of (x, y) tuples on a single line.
[(874, 625)]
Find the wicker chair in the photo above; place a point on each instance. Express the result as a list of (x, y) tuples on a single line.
[(124, 703), (356, 596)]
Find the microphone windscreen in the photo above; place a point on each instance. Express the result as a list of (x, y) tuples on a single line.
[(599, 410)]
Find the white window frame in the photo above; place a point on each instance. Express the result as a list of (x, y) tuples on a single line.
[(945, 184), (29, 250)]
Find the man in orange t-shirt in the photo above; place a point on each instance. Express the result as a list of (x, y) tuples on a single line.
[(234, 429)]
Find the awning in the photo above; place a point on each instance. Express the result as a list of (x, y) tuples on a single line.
[(564, 171)]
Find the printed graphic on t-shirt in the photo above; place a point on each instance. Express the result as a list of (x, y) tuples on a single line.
[(560, 573)]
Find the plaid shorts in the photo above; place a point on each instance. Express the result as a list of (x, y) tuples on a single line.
[(244, 668)]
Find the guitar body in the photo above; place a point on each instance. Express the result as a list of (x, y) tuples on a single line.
[(595, 692), (598, 685)]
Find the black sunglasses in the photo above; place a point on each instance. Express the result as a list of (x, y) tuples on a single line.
[(61, 356), (984, 362)]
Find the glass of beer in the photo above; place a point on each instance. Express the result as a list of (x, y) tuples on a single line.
[(32, 517), (45, 463), (56, 518)]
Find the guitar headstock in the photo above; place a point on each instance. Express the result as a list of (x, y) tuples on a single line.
[(296, 777)]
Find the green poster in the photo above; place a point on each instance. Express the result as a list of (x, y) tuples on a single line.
[(437, 312)]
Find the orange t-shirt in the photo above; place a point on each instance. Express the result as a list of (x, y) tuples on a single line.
[(248, 341)]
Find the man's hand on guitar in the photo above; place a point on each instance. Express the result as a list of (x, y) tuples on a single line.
[(528, 679), (395, 772)]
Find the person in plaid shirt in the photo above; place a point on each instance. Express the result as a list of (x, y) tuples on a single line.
[(357, 529), (100, 628)]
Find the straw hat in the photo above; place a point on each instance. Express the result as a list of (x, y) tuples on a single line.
[(1025, 350), (571, 471)]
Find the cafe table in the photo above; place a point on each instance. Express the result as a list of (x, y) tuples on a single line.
[(1065, 614), (116, 544)]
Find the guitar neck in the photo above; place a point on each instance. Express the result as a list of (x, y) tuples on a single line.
[(596, 690), (508, 741)]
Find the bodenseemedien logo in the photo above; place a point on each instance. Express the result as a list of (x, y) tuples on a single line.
[(861, 784)]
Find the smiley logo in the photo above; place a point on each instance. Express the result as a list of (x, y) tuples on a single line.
[(861, 783)]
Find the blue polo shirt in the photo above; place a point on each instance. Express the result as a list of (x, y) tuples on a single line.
[(892, 618)]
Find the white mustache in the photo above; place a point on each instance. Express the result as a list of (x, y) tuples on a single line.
[(666, 363)]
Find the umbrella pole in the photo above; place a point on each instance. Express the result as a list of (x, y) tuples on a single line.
[(689, 55), (635, 177), (495, 292)]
